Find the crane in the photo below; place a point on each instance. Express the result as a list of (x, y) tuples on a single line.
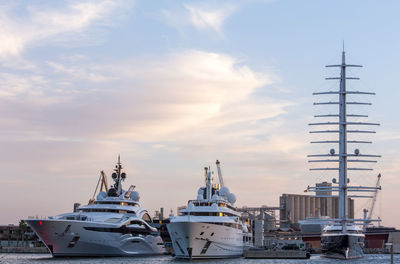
[(221, 181), (104, 185), (368, 213)]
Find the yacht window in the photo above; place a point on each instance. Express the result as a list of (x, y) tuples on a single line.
[(136, 223), (117, 203), (233, 225), (207, 214), (220, 204), (146, 217), (113, 220), (106, 210)]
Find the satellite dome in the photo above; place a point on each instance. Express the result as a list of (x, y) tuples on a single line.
[(231, 198), (135, 196), (214, 207), (215, 197), (224, 191), (114, 175), (200, 191), (101, 195), (123, 175), (190, 206)]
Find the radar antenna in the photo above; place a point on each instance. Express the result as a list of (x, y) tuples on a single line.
[(118, 176)]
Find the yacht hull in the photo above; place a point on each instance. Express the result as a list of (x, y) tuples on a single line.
[(342, 246), (199, 240), (85, 238)]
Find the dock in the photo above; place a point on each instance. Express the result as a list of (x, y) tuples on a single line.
[(30, 250), (276, 254)]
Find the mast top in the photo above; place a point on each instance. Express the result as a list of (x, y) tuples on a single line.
[(343, 57)]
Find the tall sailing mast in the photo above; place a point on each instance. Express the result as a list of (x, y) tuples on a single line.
[(343, 158)]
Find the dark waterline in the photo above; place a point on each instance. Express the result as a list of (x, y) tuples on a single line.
[(47, 258)]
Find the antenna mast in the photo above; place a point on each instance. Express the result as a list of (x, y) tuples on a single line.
[(342, 157), (342, 142)]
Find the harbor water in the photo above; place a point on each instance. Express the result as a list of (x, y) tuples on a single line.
[(47, 258)]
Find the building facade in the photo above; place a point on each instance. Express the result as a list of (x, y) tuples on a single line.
[(295, 207)]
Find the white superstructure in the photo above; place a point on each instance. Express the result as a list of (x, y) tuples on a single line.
[(209, 227), (113, 225)]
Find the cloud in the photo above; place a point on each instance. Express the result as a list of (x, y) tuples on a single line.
[(205, 17), (83, 73), (142, 99), (13, 85), (40, 24), (186, 105)]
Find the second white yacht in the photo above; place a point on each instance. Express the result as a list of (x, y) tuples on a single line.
[(209, 227), (113, 225)]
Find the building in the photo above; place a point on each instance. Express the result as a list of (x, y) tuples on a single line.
[(295, 207), (16, 236)]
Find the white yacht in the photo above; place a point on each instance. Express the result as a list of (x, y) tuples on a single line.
[(209, 227), (113, 225)]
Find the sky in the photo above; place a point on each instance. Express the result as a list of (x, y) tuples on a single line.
[(172, 86)]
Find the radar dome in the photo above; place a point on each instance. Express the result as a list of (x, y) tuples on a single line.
[(231, 198), (135, 196), (200, 191), (101, 195), (190, 207), (123, 175), (215, 197), (114, 175), (224, 191)]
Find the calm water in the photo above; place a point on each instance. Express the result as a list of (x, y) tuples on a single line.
[(46, 258)]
